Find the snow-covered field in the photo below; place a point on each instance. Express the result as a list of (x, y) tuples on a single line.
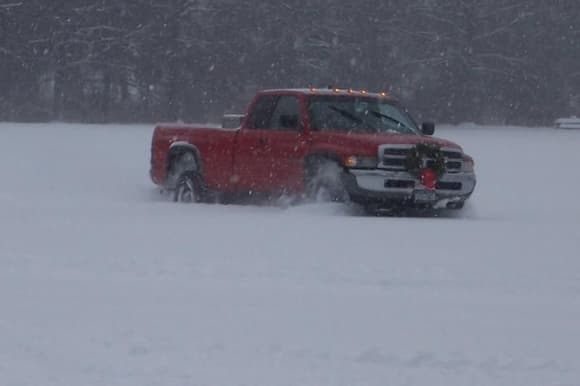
[(105, 282)]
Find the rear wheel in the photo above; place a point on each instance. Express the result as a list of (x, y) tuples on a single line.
[(189, 188), (179, 164)]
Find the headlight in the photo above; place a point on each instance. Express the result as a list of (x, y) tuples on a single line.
[(467, 165), (360, 162)]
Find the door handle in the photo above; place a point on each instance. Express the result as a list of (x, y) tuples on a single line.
[(262, 141)]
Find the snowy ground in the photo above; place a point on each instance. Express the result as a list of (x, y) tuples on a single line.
[(104, 282)]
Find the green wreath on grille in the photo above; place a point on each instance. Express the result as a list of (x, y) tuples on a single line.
[(414, 162)]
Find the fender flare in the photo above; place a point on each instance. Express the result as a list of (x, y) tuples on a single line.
[(322, 155), (179, 147)]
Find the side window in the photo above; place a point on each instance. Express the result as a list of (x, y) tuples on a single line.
[(286, 115), (262, 112)]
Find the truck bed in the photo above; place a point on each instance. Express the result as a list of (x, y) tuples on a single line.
[(215, 144)]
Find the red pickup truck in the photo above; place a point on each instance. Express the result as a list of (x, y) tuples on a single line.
[(323, 144)]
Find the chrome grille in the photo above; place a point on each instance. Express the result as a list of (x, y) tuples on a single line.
[(393, 157)]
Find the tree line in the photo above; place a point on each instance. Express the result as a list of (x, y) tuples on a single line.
[(487, 61)]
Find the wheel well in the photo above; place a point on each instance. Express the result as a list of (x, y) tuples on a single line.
[(176, 152), (316, 158)]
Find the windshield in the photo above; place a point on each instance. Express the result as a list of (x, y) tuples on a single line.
[(358, 115)]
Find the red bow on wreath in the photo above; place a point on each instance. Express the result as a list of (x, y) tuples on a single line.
[(416, 164), (429, 178)]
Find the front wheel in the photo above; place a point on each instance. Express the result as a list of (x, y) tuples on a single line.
[(324, 182), (189, 188)]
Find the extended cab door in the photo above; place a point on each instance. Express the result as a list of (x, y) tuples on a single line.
[(272, 145)]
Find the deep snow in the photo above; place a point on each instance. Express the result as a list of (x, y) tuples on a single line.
[(105, 282)]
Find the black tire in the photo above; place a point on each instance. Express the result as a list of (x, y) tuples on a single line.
[(189, 188), (324, 182), (179, 164)]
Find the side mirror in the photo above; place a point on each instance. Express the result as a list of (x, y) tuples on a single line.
[(428, 128)]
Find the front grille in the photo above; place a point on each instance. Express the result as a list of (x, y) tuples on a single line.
[(395, 163), (452, 154), (453, 160), (393, 157), (453, 165), (397, 151)]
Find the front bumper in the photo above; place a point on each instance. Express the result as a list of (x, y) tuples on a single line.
[(379, 186)]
